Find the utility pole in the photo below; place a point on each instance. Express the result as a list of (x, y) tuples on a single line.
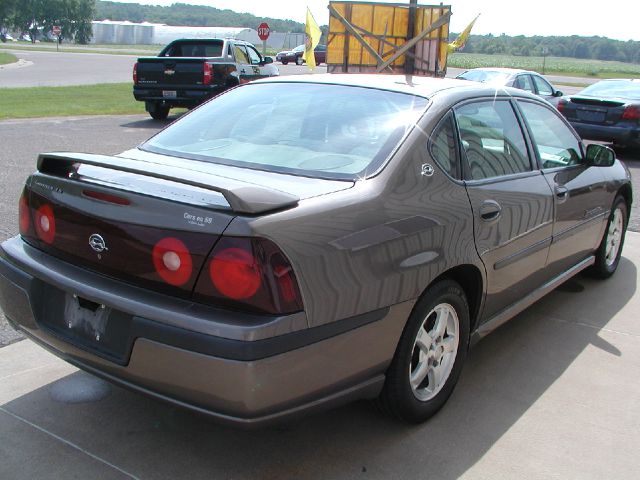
[(409, 60)]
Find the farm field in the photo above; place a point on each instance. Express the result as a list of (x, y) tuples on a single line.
[(553, 65)]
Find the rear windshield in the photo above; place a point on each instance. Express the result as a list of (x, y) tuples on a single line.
[(488, 76), (614, 89), (194, 49), (318, 130)]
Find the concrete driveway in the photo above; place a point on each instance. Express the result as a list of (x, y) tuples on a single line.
[(551, 394)]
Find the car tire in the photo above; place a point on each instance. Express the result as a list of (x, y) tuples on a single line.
[(610, 249), (429, 356), (299, 60), (160, 112), (284, 62)]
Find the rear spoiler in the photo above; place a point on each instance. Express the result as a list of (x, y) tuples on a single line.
[(242, 197)]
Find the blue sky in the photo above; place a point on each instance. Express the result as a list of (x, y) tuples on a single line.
[(617, 19)]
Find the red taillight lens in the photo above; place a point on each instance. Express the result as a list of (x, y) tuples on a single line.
[(250, 274), (632, 112), (235, 273), (45, 223), (561, 105), (207, 73), (106, 197), (172, 261), (135, 72), (25, 216)]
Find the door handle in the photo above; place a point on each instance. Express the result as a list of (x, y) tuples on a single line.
[(490, 210), (562, 193)]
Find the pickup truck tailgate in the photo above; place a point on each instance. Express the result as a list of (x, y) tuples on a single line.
[(170, 72)]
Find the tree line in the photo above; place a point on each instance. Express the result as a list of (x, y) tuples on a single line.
[(181, 14), (597, 48), (37, 18)]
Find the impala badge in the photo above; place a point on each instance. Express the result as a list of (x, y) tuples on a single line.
[(97, 243)]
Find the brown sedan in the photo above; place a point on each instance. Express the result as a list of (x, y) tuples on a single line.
[(256, 260)]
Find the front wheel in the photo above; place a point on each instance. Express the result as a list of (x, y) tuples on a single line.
[(610, 249), (429, 356), (298, 60)]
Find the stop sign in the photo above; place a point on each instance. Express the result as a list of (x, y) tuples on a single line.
[(56, 30), (263, 31)]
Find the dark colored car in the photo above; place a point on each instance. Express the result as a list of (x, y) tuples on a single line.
[(608, 111), (295, 55), (255, 260), (510, 77), (188, 72)]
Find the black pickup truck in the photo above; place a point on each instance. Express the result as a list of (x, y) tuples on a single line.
[(187, 72)]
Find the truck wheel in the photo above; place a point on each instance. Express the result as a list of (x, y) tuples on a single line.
[(429, 356), (158, 111), (299, 60)]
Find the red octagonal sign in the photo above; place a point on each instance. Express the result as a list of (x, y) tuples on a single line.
[(263, 31)]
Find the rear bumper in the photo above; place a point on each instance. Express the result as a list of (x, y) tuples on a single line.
[(184, 97), (284, 371), (625, 135)]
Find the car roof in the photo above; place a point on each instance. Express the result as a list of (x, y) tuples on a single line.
[(512, 71), (414, 85)]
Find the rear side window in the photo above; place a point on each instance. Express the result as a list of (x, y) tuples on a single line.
[(241, 54), (443, 146), (523, 82), (318, 130), (557, 146), (491, 139)]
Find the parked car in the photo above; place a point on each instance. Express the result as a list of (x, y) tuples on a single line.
[(296, 55), (510, 77), (254, 261), (608, 110), (188, 72)]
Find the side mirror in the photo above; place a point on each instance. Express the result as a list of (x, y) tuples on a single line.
[(600, 156), (266, 60), (558, 93)]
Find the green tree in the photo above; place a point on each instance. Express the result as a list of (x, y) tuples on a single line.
[(40, 16)]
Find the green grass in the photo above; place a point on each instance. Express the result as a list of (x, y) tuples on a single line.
[(102, 99), (93, 48), (7, 58), (573, 67)]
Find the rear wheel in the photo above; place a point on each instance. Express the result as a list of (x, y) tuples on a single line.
[(429, 356), (298, 60), (158, 111), (610, 249), (284, 62)]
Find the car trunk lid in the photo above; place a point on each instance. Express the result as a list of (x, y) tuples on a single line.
[(594, 110)]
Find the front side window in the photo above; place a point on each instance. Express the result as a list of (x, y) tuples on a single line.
[(544, 88), (253, 56), (491, 139), (318, 130), (557, 146)]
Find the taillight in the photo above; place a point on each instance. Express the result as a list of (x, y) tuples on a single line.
[(631, 112), (106, 197), (249, 274), (45, 223), (135, 72), (24, 215), (208, 73), (172, 261), (561, 105)]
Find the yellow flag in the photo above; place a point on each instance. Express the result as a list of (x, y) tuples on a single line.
[(459, 42), (312, 39)]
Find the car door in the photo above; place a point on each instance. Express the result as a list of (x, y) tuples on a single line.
[(247, 71), (581, 202), (511, 201)]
